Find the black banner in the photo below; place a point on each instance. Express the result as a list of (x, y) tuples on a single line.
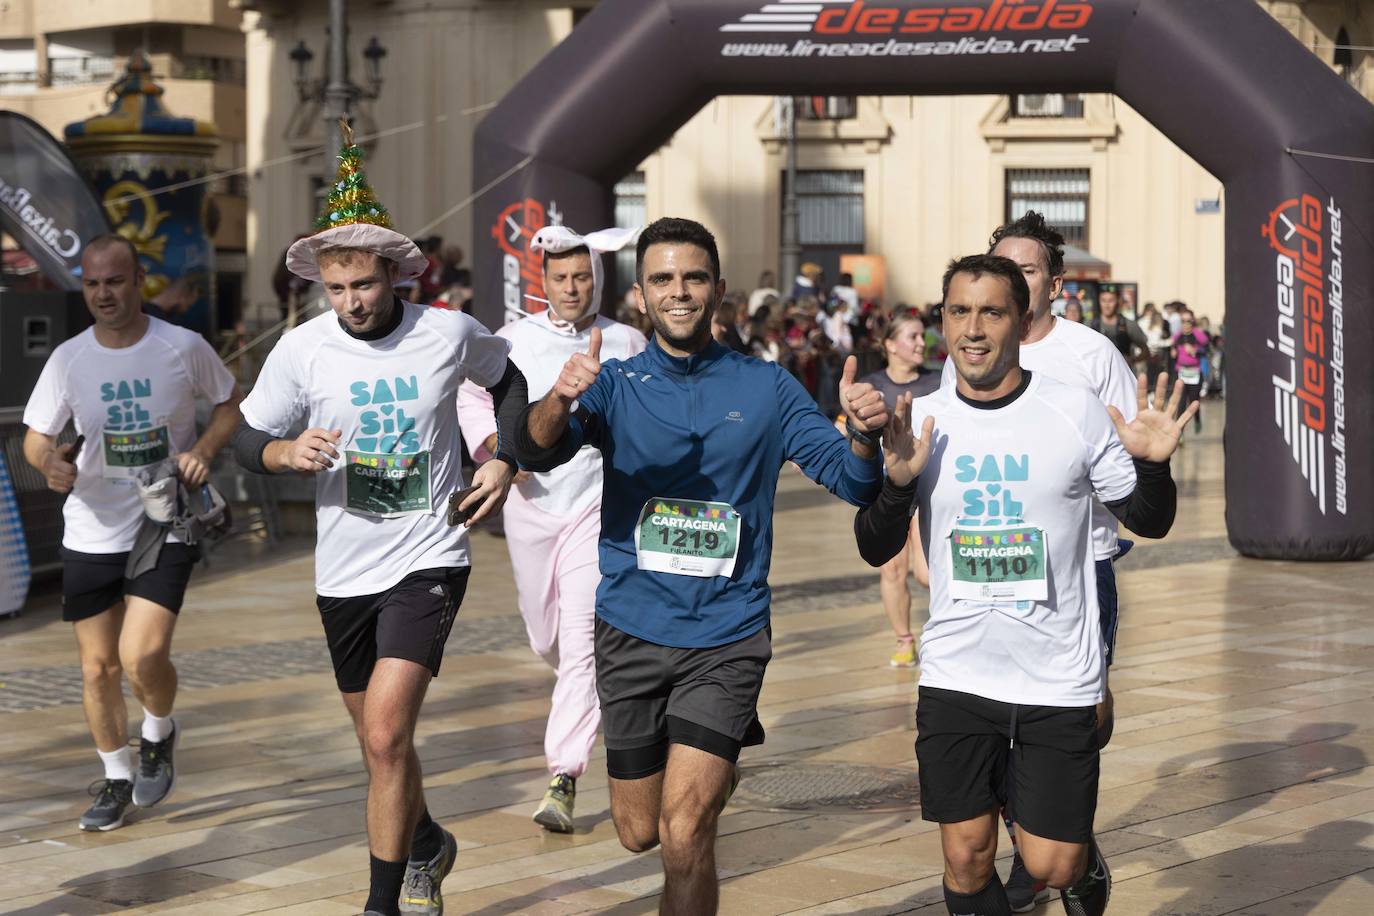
[(1221, 78), (45, 204)]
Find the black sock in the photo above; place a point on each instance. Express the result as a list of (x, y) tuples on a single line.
[(990, 901), (427, 839), (384, 895)]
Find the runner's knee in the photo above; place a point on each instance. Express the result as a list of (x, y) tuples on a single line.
[(1059, 866), (144, 666), (386, 744), (892, 572), (970, 859), (685, 827), (99, 670)]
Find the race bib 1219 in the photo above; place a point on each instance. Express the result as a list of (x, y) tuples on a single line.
[(687, 537)]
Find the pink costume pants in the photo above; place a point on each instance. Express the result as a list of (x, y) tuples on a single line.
[(556, 575)]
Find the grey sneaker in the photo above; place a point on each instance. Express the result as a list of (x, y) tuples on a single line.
[(156, 775), (112, 796), (420, 893), (1024, 893), (555, 812)]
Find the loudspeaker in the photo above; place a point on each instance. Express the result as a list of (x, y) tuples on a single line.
[(32, 324)]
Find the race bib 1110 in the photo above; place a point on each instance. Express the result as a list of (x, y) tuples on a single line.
[(998, 564)]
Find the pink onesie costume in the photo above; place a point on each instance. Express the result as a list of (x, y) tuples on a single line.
[(553, 522)]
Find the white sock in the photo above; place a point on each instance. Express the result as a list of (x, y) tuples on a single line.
[(118, 764), (156, 728)]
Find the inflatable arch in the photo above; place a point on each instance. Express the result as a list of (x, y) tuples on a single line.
[(1220, 77)]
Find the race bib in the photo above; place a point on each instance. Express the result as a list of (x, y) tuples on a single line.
[(1189, 375), (998, 564), (387, 485), (129, 452), (687, 538)]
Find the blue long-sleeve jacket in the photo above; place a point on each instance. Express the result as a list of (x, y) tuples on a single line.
[(715, 426)]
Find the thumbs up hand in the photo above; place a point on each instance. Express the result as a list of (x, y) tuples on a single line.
[(861, 402), (580, 371)]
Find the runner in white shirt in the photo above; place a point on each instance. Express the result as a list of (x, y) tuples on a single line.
[(376, 382), (553, 519), (1076, 355), (129, 386), (1012, 659)]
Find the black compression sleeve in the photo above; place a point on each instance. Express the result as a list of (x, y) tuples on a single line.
[(248, 444), (880, 529), (510, 397), (534, 457), (1149, 510)]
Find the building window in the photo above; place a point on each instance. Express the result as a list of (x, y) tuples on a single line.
[(1060, 194), (73, 71), (831, 208), (826, 107), (631, 209), (1344, 58), (1047, 105)]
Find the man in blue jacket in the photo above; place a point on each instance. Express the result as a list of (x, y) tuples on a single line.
[(693, 436)]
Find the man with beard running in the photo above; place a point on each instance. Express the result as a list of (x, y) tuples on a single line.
[(1076, 355), (692, 436), (553, 520), (375, 380), (1012, 660)]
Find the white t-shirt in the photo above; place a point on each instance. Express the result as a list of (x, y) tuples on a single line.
[(135, 406), (1005, 475), (540, 349), (1077, 355), (381, 509)]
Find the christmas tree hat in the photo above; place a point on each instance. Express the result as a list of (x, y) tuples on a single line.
[(354, 218)]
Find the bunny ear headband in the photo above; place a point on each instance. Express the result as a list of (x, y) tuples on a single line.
[(557, 239)]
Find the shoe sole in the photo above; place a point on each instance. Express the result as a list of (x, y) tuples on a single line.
[(96, 828), (172, 784), (550, 820)]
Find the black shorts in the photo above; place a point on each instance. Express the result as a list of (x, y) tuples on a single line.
[(1108, 605), (969, 764), (652, 696), (94, 582), (410, 620)]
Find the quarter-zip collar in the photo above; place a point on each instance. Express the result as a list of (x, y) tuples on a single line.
[(684, 365)]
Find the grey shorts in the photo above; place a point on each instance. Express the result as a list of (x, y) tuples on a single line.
[(652, 696)]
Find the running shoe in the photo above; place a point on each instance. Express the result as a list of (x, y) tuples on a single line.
[(420, 893), (156, 775), (555, 812), (1092, 891), (905, 656), (112, 796), (1024, 893)]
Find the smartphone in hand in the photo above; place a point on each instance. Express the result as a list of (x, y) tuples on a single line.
[(76, 448), (458, 516)]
